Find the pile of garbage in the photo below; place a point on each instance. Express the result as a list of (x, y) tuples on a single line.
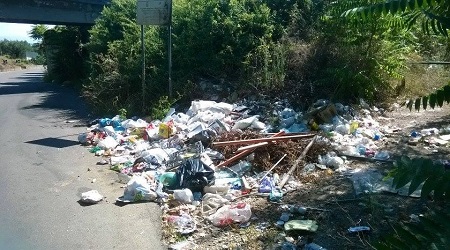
[(204, 160)]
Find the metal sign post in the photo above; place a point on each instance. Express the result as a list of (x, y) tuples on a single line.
[(143, 67), (155, 12), (170, 51)]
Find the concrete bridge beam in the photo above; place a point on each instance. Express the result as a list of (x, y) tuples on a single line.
[(18, 12)]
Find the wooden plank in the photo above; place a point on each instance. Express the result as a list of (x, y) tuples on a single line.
[(270, 139), (270, 170), (254, 146), (243, 153), (299, 159)]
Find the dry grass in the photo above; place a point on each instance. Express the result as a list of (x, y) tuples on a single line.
[(423, 79)]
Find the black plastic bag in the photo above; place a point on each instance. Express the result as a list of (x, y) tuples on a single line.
[(195, 175)]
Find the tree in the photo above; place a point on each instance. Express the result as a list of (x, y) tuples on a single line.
[(37, 31), (14, 49)]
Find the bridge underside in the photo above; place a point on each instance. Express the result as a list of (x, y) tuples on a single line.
[(75, 12)]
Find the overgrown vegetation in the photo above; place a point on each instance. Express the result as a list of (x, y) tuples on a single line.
[(14, 49), (300, 50)]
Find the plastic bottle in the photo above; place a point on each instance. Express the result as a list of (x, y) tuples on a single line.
[(361, 149)]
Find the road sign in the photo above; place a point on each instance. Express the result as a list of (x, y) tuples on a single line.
[(153, 12)]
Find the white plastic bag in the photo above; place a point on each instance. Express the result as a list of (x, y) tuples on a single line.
[(183, 195), (211, 202), (108, 143), (91, 197), (245, 123), (228, 214), (138, 189)]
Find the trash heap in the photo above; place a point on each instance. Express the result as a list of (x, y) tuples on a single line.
[(200, 164)]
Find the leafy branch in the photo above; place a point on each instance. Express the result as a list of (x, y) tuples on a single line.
[(430, 232), (434, 176), (431, 100), (434, 13)]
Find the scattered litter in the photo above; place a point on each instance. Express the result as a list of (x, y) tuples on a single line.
[(183, 195), (184, 223), (138, 189), (372, 181), (217, 153), (183, 245)]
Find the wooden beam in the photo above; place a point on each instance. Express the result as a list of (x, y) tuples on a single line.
[(299, 159), (270, 139)]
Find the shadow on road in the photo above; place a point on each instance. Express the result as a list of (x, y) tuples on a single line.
[(66, 101), (54, 142)]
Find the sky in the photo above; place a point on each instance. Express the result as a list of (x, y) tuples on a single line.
[(14, 31)]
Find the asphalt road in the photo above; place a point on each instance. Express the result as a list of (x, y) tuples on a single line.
[(44, 171)]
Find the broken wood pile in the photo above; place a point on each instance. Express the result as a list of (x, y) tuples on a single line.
[(268, 149)]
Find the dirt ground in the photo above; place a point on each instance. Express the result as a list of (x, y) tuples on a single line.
[(331, 199)]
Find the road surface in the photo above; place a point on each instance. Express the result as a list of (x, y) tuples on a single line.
[(44, 171)]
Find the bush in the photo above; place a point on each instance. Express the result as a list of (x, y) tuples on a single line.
[(210, 39)]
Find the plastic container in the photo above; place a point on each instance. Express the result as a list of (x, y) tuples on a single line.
[(168, 179)]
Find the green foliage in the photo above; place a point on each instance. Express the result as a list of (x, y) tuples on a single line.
[(123, 114), (161, 107), (213, 38), (265, 67), (431, 232), (14, 49), (117, 21), (37, 31), (115, 78), (434, 177), (432, 100), (433, 13), (356, 59)]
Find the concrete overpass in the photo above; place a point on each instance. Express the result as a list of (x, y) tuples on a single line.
[(67, 12)]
